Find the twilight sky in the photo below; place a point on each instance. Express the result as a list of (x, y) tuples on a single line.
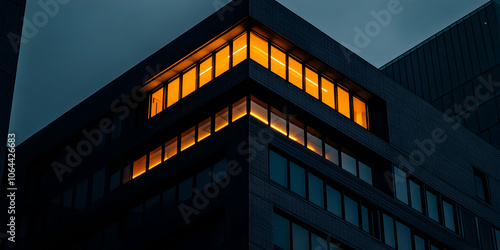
[(83, 45)]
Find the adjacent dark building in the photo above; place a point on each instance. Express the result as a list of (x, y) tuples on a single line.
[(457, 70), (260, 132)]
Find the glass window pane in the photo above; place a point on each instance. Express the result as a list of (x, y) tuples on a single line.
[(318, 243), (98, 184), (221, 119), (239, 109), (170, 148), (449, 215), (126, 174), (331, 154), (316, 190), (204, 128), (404, 236), (295, 72), (278, 121), (415, 193), (348, 163), (281, 232), (419, 243), (365, 173), (185, 189), (139, 167), (278, 168), (312, 86), (297, 179), (400, 185), (114, 180), (296, 130), (239, 49), (168, 198), (222, 61), (259, 50), (497, 238), (351, 211), (187, 138), (220, 171), (68, 198), (152, 207), (206, 71), (365, 219), (432, 206), (155, 157), (480, 184), (343, 100), (258, 110), (359, 108), (203, 179), (188, 82), (314, 142), (173, 92), (278, 62), (156, 102), (333, 201), (433, 247), (328, 94), (389, 231), (81, 194), (300, 237)]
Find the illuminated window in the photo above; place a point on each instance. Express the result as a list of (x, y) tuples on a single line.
[(295, 72), (189, 82), (139, 167), (259, 50), (204, 129), (278, 62), (221, 119), (296, 131), (314, 142), (258, 110), (343, 98), (222, 61), (239, 109), (278, 121), (312, 86), (206, 71), (156, 102), (359, 108), (170, 148), (328, 94), (240, 49), (173, 92), (155, 157), (187, 139)]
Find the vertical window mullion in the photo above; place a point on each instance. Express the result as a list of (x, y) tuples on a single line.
[(231, 49)]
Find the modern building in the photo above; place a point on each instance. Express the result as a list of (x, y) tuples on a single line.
[(260, 132), (457, 70)]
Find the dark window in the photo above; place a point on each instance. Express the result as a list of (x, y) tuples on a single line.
[(365, 173), (416, 198), (98, 184), (351, 211), (400, 185), (419, 243), (348, 163), (81, 194), (481, 187), (203, 179), (152, 207), (365, 219), (126, 174), (281, 232), (186, 189), (114, 180), (278, 168), (134, 218), (333, 201), (297, 179), (403, 236), (449, 215), (388, 225), (432, 206), (496, 234), (318, 243), (168, 198), (487, 113), (300, 237), (68, 197), (220, 171), (316, 190)]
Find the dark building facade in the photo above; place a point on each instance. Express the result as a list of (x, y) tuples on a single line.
[(260, 132), (457, 70)]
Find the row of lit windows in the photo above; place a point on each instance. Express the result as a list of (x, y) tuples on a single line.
[(269, 56)]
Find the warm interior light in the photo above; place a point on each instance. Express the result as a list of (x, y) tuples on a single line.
[(276, 60), (239, 49), (205, 71), (187, 146), (259, 118), (278, 129)]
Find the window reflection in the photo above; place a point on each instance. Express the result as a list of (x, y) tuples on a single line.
[(312, 86), (259, 50), (258, 109), (222, 61), (328, 92), (187, 139), (204, 129), (295, 72), (170, 148), (314, 142), (240, 49), (343, 99), (278, 62), (139, 167), (296, 130), (221, 119), (155, 157), (239, 109), (359, 108), (278, 121), (206, 71)]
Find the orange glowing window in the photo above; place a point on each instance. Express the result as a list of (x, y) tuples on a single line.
[(295, 72), (139, 167), (328, 94), (296, 130), (173, 92), (155, 157), (206, 71), (156, 102), (259, 50), (221, 119), (312, 86), (258, 109), (170, 148), (314, 142), (278, 121), (187, 138), (204, 129), (239, 109), (240, 49), (278, 62), (359, 108), (343, 99), (222, 61), (189, 82)]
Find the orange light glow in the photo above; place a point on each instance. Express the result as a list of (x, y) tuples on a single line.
[(189, 82), (139, 167), (278, 62), (258, 50), (173, 92), (187, 138), (258, 110), (343, 99), (221, 119), (156, 102), (359, 108), (222, 61), (278, 129), (170, 148), (155, 157), (239, 109), (206, 71), (204, 129), (312, 83), (239, 48), (259, 118), (328, 97), (295, 72)]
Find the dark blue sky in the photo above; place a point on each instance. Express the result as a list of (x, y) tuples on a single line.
[(83, 45)]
